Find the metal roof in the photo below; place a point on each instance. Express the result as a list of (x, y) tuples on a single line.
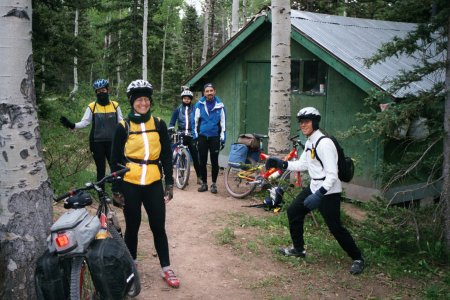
[(351, 40)]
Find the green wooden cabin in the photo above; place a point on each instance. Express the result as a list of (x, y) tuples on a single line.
[(327, 72)]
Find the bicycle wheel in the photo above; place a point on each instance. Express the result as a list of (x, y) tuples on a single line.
[(182, 169), (81, 284), (135, 288), (241, 183)]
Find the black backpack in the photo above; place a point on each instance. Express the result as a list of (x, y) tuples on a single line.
[(346, 167)]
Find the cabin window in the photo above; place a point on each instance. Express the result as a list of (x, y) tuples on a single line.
[(308, 76)]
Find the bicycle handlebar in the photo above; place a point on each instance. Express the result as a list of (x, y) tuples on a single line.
[(90, 185)]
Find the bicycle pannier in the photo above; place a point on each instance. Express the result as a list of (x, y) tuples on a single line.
[(238, 155), (52, 276), (80, 229), (249, 140), (252, 156), (111, 268)]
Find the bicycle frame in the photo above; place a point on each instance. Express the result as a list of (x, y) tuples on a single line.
[(178, 141), (266, 175)]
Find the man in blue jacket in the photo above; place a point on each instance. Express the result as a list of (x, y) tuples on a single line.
[(209, 130)]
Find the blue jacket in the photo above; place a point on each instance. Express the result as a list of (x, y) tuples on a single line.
[(184, 115), (210, 123)]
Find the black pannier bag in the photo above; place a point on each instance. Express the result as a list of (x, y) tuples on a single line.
[(52, 277), (110, 266)]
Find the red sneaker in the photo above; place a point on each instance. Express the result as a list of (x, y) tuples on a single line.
[(170, 278)]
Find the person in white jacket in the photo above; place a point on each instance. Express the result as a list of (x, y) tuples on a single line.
[(323, 193)]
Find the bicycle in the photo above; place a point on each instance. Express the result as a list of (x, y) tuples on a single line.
[(73, 235), (181, 160), (241, 180)]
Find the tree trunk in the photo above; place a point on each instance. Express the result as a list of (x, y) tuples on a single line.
[(25, 194), (164, 56), (206, 31), (234, 17), (43, 74), (446, 167), (75, 59), (280, 78), (212, 28), (144, 41)]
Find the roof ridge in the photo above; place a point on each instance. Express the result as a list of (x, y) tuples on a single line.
[(350, 25)]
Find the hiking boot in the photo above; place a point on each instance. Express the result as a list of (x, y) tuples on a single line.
[(292, 252), (199, 181), (203, 187), (214, 188), (357, 267), (170, 278)]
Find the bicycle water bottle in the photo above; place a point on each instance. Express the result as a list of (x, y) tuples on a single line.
[(275, 174)]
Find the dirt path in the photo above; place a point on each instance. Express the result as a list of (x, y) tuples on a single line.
[(208, 270)]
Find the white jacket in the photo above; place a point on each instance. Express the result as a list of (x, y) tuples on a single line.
[(326, 176)]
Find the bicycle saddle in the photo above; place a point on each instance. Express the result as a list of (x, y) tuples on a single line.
[(79, 200)]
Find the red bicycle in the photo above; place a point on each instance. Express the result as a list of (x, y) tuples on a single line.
[(242, 180)]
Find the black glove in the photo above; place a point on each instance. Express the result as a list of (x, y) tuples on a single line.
[(222, 145), (66, 122), (313, 201), (275, 162), (168, 193)]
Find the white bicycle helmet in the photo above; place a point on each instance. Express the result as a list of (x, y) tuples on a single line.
[(187, 93), (308, 113), (139, 88)]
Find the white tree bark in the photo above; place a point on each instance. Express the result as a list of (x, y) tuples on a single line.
[(280, 78), (25, 194), (234, 17), (445, 198), (207, 8), (75, 59), (118, 76), (144, 41), (43, 73), (164, 57)]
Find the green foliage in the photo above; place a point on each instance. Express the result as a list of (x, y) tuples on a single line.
[(392, 10), (226, 236), (66, 153), (409, 233)]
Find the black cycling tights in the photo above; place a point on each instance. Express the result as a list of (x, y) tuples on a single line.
[(152, 196), (211, 144), (101, 151)]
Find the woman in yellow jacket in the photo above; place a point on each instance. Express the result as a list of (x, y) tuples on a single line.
[(141, 142)]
